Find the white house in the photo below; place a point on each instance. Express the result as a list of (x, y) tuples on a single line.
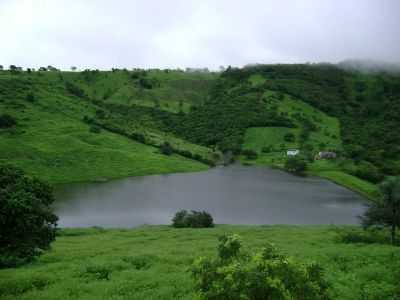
[(292, 152)]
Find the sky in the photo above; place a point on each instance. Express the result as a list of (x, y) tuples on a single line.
[(195, 33)]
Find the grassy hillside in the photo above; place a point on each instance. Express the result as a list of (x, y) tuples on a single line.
[(271, 146), (52, 142), (326, 136), (152, 262)]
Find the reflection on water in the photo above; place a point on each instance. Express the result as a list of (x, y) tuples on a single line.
[(233, 195)]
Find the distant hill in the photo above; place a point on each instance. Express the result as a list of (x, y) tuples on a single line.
[(99, 124)]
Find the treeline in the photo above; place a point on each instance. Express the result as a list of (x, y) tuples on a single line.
[(224, 117), (165, 147)]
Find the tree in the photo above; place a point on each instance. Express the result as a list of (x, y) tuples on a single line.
[(1, 68), (385, 211), (193, 219), (27, 223), (73, 68), (296, 164), (236, 275)]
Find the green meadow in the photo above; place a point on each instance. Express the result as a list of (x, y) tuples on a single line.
[(153, 262)]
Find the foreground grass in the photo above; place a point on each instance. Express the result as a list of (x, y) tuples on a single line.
[(151, 262)]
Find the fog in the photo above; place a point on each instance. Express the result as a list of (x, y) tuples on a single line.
[(183, 33)]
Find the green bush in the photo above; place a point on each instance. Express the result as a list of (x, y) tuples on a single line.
[(30, 97), (7, 121), (267, 149), (100, 272), (296, 165), (27, 222), (264, 275), (366, 170), (193, 219), (166, 148), (75, 90), (95, 129), (250, 154)]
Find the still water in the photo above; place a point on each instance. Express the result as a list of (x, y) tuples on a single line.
[(233, 195)]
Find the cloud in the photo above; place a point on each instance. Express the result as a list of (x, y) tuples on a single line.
[(176, 33)]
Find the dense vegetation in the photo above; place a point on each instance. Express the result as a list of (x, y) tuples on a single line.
[(192, 219), (95, 125), (261, 110), (268, 274), (367, 106), (27, 223), (385, 211)]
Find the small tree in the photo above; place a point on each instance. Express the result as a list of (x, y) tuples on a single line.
[(296, 164), (73, 68), (236, 275), (385, 211), (1, 68), (166, 148), (27, 223)]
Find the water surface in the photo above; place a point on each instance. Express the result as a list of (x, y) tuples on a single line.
[(233, 195)]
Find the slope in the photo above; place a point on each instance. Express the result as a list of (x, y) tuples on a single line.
[(51, 141)]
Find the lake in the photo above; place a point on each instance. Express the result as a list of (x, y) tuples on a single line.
[(233, 195)]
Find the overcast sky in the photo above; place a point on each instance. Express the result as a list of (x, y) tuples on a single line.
[(188, 33)]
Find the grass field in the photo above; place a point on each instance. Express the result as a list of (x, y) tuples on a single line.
[(152, 262)]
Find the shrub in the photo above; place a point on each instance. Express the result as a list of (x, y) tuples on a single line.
[(267, 149), (140, 262), (368, 171), (264, 275), (100, 272), (95, 129), (7, 121), (166, 148), (27, 222), (101, 114), (289, 137), (296, 165), (139, 137), (250, 154), (193, 219), (75, 90), (30, 97)]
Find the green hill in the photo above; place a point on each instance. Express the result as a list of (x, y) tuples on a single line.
[(52, 141), (266, 108)]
